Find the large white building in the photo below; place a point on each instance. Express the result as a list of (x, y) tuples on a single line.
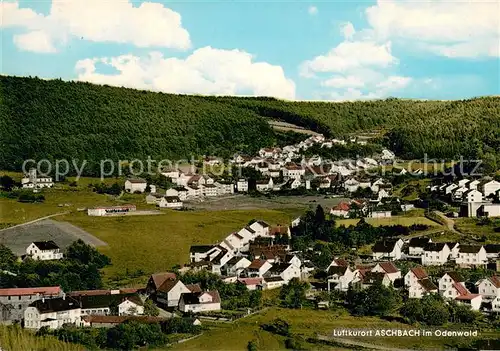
[(32, 181), (134, 185), (111, 210), (52, 313), (44, 250)]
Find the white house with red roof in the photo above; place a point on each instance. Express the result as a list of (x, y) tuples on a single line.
[(461, 294), (415, 274), (251, 283), (489, 288), (341, 210), (258, 268), (421, 288), (448, 279), (389, 268), (339, 277)]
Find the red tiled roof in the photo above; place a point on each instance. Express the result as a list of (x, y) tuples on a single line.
[(256, 264), (193, 287), (341, 262), (419, 272), (495, 280), (467, 297), (168, 285), (427, 285), (121, 319), (159, 278), (461, 289), (250, 281), (279, 229), (343, 206), (389, 267), (49, 290)]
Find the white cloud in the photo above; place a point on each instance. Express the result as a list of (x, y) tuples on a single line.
[(347, 30), (351, 81), (313, 10), (148, 25), (37, 41), (350, 55), (448, 28), (206, 71)]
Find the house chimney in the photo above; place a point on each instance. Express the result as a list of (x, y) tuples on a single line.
[(64, 296), (43, 299)]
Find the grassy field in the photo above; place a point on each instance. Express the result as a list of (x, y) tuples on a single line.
[(402, 220), (470, 229), (17, 339), (305, 322), (13, 212), (141, 245)]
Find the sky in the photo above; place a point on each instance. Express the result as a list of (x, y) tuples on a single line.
[(294, 50)]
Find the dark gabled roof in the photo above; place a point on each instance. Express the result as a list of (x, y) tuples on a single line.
[(384, 246), (492, 248), (279, 268), (455, 276), (418, 242), (200, 248), (470, 248), (250, 229), (193, 298), (46, 245), (338, 270), (234, 260), (434, 247), (172, 199), (55, 305), (194, 287), (451, 244), (103, 301), (427, 284), (264, 224)]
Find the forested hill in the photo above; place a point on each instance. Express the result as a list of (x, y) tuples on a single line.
[(55, 119), (442, 129)]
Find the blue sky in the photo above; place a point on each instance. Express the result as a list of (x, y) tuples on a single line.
[(294, 50)]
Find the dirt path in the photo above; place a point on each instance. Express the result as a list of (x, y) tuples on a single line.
[(360, 343), (450, 223)]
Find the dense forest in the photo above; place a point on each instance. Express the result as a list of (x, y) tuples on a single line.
[(54, 119)]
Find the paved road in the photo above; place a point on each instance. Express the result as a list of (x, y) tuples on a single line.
[(34, 221)]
